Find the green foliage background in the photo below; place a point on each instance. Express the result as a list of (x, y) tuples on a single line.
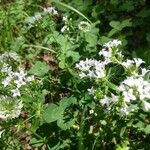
[(51, 56)]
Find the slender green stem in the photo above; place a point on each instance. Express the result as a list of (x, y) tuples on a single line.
[(38, 46), (71, 8), (81, 131)]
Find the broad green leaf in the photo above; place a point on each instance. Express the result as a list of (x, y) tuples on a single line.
[(67, 101), (39, 69), (91, 38), (74, 55), (115, 24), (126, 23), (53, 113), (64, 125), (144, 13), (147, 129)]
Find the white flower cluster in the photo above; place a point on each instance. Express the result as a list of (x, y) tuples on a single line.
[(91, 68), (10, 108), (12, 55), (133, 91), (84, 26), (12, 79), (107, 101), (67, 24), (96, 69), (135, 88), (32, 20), (110, 51), (131, 63), (51, 10)]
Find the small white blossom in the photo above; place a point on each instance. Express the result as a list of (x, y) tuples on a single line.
[(128, 95), (6, 68), (125, 110), (128, 63), (21, 74), (146, 105), (113, 44), (6, 81), (64, 28), (91, 91), (105, 101), (138, 61), (65, 18), (16, 92), (10, 108), (14, 56), (91, 111), (19, 83), (91, 68), (84, 26), (144, 71), (30, 78), (51, 10)]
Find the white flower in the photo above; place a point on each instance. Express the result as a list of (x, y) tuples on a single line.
[(65, 18), (105, 101), (128, 63), (21, 74), (84, 26), (30, 78), (14, 55), (10, 108), (51, 10), (112, 44), (19, 83), (64, 28), (91, 91), (128, 95), (91, 111), (125, 110), (91, 68), (146, 105), (6, 68), (15, 92), (105, 53), (138, 61), (144, 71), (139, 85), (6, 81)]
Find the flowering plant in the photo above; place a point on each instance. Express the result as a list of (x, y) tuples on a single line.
[(13, 80), (118, 98)]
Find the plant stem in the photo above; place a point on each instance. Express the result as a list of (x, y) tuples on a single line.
[(82, 123)]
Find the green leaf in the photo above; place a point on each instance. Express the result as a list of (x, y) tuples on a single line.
[(67, 101), (147, 129), (36, 143), (64, 125), (53, 113), (74, 55), (126, 23), (91, 38), (122, 131), (39, 69), (115, 24), (121, 147), (144, 13)]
